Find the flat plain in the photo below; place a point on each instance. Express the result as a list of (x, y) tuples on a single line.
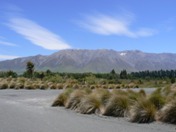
[(31, 111)]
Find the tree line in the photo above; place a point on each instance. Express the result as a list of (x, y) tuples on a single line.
[(112, 75)]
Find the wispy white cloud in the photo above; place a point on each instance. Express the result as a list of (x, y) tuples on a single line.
[(37, 34), (7, 43), (7, 57), (145, 32), (109, 25)]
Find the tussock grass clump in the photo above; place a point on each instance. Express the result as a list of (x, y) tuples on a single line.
[(117, 106), (143, 111), (59, 86), (22, 80), (61, 100), (168, 113), (43, 86), (142, 93), (102, 95), (3, 86), (12, 85), (92, 86), (87, 90), (76, 86), (157, 91), (134, 96), (35, 85), (166, 91), (117, 86), (137, 106), (74, 100), (119, 92), (53, 86), (89, 104), (19, 86), (29, 87), (157, 99)]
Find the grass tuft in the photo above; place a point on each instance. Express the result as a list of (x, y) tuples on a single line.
[(3, 86), (74, 100), (117, 106), (157, 99), (168, 113), (62, 98), (89, 104), (143, 111)]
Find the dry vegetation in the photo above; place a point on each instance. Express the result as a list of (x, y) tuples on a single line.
[(134, 106), (101, 96)]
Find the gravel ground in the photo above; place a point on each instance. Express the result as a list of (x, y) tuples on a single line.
[(30, 111)]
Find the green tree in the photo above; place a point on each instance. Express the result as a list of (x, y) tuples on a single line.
[(123, 74), (30, 69), (113, 71), (172, 80), (11, 73), (48, 72)]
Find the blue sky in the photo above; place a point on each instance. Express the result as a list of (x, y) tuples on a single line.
[(31, 27)]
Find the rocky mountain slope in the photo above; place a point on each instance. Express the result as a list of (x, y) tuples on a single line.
[(94, 61)]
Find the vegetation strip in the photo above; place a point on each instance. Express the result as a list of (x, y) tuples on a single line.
[(134, 106)]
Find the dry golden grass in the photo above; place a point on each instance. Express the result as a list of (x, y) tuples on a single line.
[(143, 111), (168, 113), (117, 106), (89, 104), (61, 100), (74, 100)]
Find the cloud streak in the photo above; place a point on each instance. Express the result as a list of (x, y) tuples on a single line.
[(7, 57), (7, 43), (108, 25), (37, 34)]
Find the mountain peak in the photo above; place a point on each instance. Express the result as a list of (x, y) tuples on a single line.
[(100, 60)]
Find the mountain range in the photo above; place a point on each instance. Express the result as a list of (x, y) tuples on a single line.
[(103, 60)]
